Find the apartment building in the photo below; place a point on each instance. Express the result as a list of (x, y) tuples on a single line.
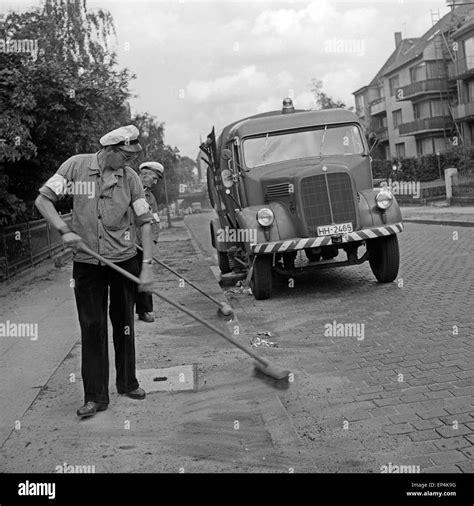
[(461, 71), (411, 102)]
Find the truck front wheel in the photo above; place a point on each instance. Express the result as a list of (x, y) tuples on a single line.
[(261, 282), (384, 257)]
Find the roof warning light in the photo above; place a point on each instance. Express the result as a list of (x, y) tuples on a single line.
[(287, 106)]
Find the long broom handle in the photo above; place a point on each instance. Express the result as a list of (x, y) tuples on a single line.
[(158, 261), (133, 278)]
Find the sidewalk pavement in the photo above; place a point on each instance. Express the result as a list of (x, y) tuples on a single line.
[(233, 422), (439, 214)]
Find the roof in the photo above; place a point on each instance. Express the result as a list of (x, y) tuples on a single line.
[(404, 52), (412, 48), (360, 90), (276, 121), (452, 20)]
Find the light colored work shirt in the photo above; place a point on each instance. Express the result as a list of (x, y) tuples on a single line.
[(155, 226), (103, 210)]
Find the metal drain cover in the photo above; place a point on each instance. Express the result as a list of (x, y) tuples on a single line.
[(181, 377)]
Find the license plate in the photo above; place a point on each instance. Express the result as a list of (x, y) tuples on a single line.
[(341, 228)]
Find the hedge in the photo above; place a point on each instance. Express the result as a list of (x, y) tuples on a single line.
[(424, 168)]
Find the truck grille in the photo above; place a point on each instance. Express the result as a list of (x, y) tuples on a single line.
[(327, 199), (275, 191)]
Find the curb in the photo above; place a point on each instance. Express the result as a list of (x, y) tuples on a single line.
[(449, 223)]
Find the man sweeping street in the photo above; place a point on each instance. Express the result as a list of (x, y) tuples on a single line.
[(150, 173), (101, 219)]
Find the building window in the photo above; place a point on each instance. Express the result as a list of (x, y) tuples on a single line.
[(469, 52), (435, 69), (360, 105), (394, 85), (397, 118), (430, 145), (377, 92), (418, 73), (439, 108), (470, 91), (378, 122), (419, 147), (400, 150), (422, 110)]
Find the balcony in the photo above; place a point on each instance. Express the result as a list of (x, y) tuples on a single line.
[(421, 88), (461, 68), (378, 106), (425, 125), (464, 111)]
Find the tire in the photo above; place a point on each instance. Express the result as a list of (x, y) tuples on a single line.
[(384, 257), (328, 252), (223, 261), (312, 257), (261, 282)]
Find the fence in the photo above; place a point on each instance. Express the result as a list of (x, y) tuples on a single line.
[(27, 244)]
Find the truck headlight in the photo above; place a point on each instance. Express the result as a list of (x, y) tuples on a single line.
[(384, 198), (265, 217)]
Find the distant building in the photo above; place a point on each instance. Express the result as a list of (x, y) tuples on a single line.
[(411, 103)]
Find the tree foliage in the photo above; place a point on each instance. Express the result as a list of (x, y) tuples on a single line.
[(59, 101), (154, 149), (323, 100)]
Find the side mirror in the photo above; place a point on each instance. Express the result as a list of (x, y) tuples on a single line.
[(227, 154), (372, 141)]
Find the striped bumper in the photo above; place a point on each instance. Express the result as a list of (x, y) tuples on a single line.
[(314, 242)]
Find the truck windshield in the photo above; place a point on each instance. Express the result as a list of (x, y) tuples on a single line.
[(323, 141)]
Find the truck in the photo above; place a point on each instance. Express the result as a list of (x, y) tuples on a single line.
[(293, 191)]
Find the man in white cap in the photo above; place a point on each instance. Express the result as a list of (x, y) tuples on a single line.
[(150, 174), (102, 220)]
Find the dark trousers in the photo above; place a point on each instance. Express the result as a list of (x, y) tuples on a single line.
[(91, 287), (143, 300)]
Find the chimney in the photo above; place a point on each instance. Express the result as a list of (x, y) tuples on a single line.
[(398, 39)]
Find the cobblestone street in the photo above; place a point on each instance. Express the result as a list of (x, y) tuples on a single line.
[(402, 392)]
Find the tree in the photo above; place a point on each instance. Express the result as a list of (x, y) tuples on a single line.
[(58, 101), (154, 149), (186, 174), (323, 100)]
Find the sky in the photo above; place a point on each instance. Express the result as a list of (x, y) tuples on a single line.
[(207, 63)]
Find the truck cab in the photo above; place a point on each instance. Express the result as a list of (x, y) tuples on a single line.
[(292, 190)]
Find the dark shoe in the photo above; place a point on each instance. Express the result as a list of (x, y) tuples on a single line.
[(146, 317), (138, 393), (90, 408)]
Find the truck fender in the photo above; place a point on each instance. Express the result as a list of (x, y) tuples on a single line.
[(281, 228), (371, 216)]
